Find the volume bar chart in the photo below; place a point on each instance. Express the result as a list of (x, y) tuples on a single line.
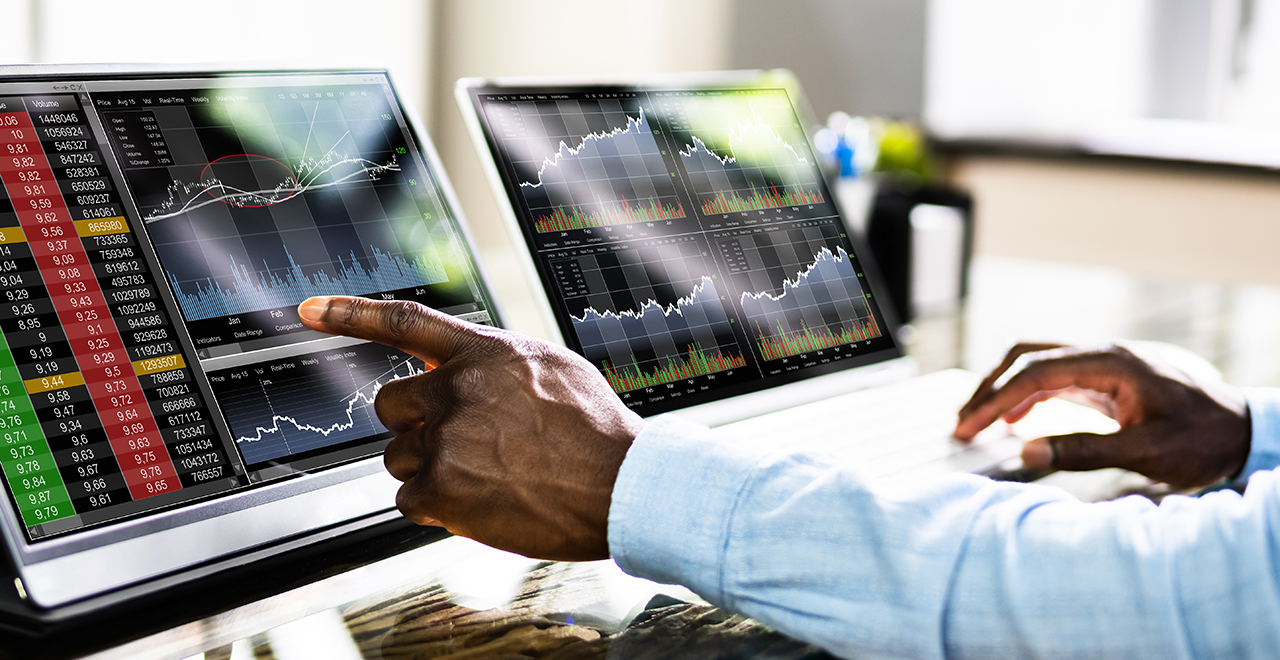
[(254, 290), (755, 200), (608, 213), (781, 342), (695, 363)]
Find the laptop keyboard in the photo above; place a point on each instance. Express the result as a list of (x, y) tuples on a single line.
[(902, 430)]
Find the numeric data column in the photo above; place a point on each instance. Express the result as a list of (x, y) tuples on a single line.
[(99, 359), (25, 454)]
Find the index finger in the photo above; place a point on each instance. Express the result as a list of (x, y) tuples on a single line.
[(422, 332), (987, 386)]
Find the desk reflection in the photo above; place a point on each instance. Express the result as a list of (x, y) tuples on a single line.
[(459, 599)]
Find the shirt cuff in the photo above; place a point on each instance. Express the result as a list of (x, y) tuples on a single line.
[(1264, 417), (673, 502)]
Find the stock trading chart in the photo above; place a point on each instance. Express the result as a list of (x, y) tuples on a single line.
[(743, 152), (587, 163), (305, 403), (261, 198), (799, 290), (685, 237), (649, 315)]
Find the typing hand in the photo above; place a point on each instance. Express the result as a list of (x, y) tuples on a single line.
[(1178, 424), (508, 440)]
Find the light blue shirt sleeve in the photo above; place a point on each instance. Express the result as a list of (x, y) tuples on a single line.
[(1264, 416), (963, 568)]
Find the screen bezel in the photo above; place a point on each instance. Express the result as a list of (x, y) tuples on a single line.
[(748, 399), (51, 571)]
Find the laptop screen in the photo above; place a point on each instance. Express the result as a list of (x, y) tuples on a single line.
[(685, 238), (156, 236)]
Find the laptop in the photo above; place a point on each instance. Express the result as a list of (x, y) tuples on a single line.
[(165, 416), (685, 242)]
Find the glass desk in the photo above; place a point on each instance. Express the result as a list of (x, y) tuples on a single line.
[(458, 599)]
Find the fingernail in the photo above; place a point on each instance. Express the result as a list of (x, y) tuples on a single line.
[(312, 309), (1038, 453)]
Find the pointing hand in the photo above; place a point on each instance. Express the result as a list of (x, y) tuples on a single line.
[(508, 440)]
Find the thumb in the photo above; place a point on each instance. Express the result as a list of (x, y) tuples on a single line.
[(416, 329), (1128, 448)]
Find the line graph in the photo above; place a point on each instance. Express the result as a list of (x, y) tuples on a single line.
[(800, 290), (586, 163), (280, 409), (184, 196), (275, 197), (744, 152), (643, 318), (635, 127)]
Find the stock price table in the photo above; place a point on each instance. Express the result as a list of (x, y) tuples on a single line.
[(98, 407)]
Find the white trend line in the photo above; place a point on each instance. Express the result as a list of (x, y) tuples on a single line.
[(311, 126), (789, 284), (356, 400), (756, 125), (289, 188), (554, 161), (668, 310)]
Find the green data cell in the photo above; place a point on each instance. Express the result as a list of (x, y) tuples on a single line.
[(25, 455)]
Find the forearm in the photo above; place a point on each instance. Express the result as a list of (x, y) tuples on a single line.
[(968, 567)]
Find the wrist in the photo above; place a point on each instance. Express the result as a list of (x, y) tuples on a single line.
[(1264, 430)]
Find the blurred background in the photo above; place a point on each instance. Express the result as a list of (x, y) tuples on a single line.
[(1120, 154)]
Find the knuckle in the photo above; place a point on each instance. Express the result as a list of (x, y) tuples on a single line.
[(402, 318), (1027, 371), (412, 504), (1117, 352), (352, 312), (1076, 453), (470, 383)]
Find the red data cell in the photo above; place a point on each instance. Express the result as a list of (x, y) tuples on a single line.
[(110, 374), (95, 342), (101, 385), (10, 119), (77, 302), (74, 322), (157, 487), (41, 218), (93, 328), (72, 287), (58, 279), (12, 167), (18, 134)]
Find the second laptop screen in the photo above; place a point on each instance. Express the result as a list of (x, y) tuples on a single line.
[(685, 238)]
